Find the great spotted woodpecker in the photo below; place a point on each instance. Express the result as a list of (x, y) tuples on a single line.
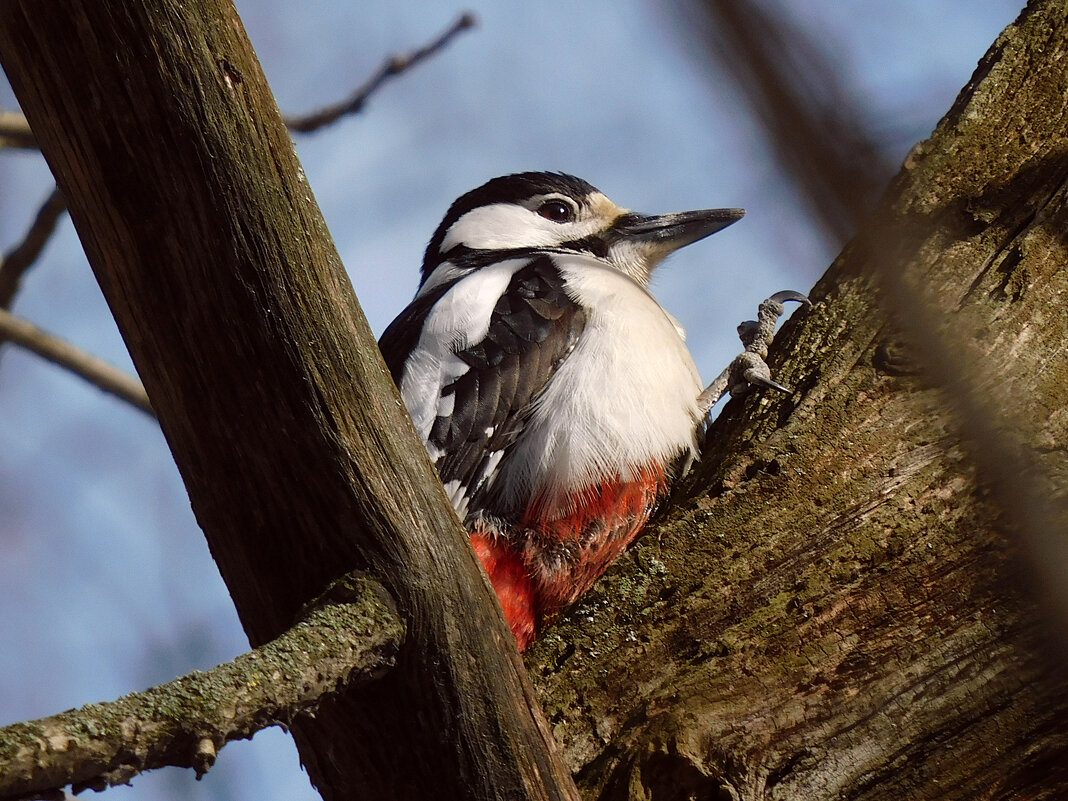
[(556, 397)]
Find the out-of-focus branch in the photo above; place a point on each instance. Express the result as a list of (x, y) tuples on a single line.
[(19, 259), (839, 605), (391, 67), (350, 636), (816, 127), (1024, 489), (13, 265), (94, 370), (15, 131), (819, 133)]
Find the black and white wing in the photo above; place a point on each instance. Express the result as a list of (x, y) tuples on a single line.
[(469, 358)]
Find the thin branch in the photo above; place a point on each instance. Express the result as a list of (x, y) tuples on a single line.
[(391, 67), (350, 636), (12, 267), (96, 371), (15, 131), (22, 256)]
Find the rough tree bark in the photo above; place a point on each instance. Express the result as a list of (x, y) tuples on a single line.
[(300, 462), (843, 605)]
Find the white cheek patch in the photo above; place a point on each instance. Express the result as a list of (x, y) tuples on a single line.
[(504, 226)]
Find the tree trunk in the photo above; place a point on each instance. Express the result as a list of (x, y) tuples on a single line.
[(300, 461), (855, 595)]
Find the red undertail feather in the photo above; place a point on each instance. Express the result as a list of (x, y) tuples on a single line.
[(556, 556), (514, 588)]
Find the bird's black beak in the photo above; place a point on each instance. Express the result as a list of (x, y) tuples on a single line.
[(637, 243), (673, 231)]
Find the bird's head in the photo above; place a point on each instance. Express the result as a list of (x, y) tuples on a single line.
[(544, 211)]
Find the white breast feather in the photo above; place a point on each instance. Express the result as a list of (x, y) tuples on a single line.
[(626, 396), (460, 317)]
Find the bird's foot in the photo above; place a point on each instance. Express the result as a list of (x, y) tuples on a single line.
[(749, 368)]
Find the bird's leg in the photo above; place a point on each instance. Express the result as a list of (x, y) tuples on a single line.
[(749, 367)]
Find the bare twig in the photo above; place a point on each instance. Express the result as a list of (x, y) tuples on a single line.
[(96, 371), (22, 256), (15, 131), (350, 636), (391, 67)]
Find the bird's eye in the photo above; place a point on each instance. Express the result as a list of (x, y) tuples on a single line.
[(557, 211)]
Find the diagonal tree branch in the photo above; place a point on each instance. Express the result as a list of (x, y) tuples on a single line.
[(96, 371), (818, 129), (293, 443), (15, 131), (838, 609), (349, 636), (15, 262), (391, 67)]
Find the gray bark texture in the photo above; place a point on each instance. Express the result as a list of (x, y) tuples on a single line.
[(861, 592)]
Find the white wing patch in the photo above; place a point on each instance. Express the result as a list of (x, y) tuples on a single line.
[(460, 317), (457, 493)]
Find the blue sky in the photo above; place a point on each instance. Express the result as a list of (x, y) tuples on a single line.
[(108, 586)]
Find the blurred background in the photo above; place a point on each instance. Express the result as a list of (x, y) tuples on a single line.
[(797, 111)]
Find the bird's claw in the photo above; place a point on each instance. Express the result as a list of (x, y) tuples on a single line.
[(749, 368), (787, 295), (763, 381)]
